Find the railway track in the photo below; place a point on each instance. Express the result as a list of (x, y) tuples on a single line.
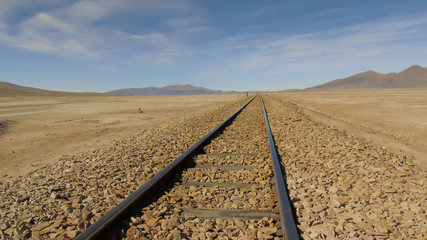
[(229, 185)]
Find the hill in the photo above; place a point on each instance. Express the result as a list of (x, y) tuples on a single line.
[(413, 77), (11, 90), (167, 90)]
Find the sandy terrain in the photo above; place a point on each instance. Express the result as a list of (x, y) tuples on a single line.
[(42, 129), (396, 118)]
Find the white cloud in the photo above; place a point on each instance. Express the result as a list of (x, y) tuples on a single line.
[(9, 8), (71, 30), (379, 45), (79, 30), (151, 42), (45, 33), (265, 11), (91, 10), (342, 42), (156, 40), (322, 13), (46, 22)]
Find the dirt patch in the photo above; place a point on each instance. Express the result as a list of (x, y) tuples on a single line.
[(4, 125)]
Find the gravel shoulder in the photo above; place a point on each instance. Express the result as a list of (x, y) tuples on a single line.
[(344, 186), (394, 117)]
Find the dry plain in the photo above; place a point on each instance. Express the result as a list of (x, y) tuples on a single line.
[(42, 129), (357, 193), (394, 118)]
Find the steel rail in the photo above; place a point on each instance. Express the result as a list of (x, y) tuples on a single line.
[(102, 226), (288, 222)]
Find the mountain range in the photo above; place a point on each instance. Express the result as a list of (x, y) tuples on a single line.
[(168, 90), (413, 77)]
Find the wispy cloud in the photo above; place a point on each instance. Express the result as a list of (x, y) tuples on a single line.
[(363, 45), (72, 31), (185, 22), (322, 13), (47, 34), (88, 11), (180, 35)]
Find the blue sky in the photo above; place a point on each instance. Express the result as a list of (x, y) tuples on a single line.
[(101, 45)]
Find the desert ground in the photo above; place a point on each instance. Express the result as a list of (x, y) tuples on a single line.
[(395, 118), (43, 129), (342, 185)]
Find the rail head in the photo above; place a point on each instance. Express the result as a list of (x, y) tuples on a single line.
[(286, 216), (100, 227)]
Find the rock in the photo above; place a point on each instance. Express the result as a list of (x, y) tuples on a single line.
[(313, 234), (253, 200), (134, 221), (4, 226), (330, 233), (336, 203), (23, 198), (150, 223), (268, 230), (53, 196), (333, 190), (40, 226), (72, 234), (239, 223), (132, 231), (318, 208), (25, 234), (144, 227)]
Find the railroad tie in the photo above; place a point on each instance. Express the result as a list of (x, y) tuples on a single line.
[(212, 213), (225, 213)]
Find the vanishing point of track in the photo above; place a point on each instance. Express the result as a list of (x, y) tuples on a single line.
[(229, 183)]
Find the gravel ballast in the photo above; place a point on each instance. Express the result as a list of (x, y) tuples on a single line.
[(343, 186), (191, 210)]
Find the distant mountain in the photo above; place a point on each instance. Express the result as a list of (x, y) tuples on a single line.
[(413, 77), (168, 90), (10, 89)]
